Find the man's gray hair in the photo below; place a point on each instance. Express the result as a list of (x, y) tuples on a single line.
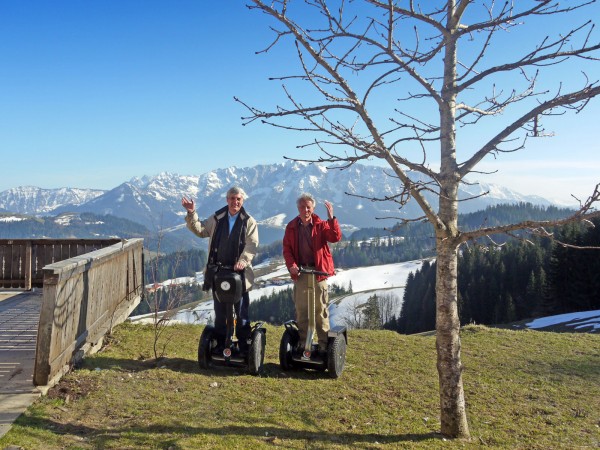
[(305, 197), (236, 190)]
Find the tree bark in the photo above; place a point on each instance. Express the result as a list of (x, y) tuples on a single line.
[(453, 413)]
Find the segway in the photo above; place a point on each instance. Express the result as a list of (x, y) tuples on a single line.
[(228, 289), (296, 354)]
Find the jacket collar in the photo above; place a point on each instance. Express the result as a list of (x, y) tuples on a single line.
[(219, 214)]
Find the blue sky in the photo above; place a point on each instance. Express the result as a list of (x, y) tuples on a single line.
[(93, 93)]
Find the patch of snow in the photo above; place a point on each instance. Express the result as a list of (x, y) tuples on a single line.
[(64, 219), (12, 219), (577, 320), (275, 221)]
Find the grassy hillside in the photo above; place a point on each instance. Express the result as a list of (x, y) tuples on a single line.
[(524, 389)]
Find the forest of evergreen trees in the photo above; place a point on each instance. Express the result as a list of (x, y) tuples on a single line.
[(278, 307), (515, 281), (159, 268), (415, 240)]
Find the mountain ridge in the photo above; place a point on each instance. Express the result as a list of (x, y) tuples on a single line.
[(154, 201)]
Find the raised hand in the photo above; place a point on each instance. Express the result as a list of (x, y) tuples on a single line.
[(329, 207), (188, 204)]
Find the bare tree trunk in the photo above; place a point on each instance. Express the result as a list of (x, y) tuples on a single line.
[(453, 414)]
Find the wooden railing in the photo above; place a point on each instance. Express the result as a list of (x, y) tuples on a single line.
[(83, 298), (22, 260)]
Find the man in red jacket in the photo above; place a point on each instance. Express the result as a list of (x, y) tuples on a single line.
[(305, 245)]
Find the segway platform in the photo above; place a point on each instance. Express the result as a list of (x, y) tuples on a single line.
[(228, 289), (296, 354), (292, 353)]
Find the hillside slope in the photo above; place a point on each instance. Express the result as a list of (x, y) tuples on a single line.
[(524, 389)]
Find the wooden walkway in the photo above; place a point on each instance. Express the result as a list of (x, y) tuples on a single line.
[(19, 317)]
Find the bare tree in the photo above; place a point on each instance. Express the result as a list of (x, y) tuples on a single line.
[(353, 318), (383, 79), (163, 301), (388, 306)]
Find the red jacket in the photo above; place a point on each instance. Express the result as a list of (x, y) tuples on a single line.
[(322, 232)]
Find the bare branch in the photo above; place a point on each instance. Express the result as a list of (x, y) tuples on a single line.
[(580, 97)]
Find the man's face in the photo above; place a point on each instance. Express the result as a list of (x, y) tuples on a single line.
[(235, 202), (305, 208)]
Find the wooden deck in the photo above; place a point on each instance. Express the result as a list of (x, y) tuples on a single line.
[(19, 317), (43, 332)]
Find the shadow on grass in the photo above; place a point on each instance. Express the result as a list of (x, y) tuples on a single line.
[(191, 366), (582, 366), (164, 435)]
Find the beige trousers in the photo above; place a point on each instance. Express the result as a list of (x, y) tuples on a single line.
[(321, 311)]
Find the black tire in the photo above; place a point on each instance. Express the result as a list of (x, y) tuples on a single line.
[(336, 356), (256, 354), (205, 347), (285, 350)]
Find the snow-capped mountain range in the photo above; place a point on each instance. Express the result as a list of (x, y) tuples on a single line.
[(155, 201), (35, 200)]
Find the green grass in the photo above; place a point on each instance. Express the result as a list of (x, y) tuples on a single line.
[(524, 390)]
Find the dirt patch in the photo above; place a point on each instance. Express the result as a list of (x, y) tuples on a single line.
[(72, 389)]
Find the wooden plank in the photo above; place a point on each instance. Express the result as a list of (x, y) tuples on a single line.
[(15, 265), (28, 271), (41, 372), (56, 252), (38, 258), (3, 250), (65, 251)]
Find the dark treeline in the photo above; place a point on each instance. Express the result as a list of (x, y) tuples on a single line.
[(381, 251), (519, 280), (170, 298), (174, 265), (278, 307), (273, 250), (415, 240), (504, 214), (275, 308)]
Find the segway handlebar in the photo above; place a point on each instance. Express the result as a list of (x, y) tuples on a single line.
[(311, 271), (226, 267)]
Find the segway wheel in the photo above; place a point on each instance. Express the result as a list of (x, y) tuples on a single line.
[(336, 356), (256, 354), (285, 350), (205, 347)]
